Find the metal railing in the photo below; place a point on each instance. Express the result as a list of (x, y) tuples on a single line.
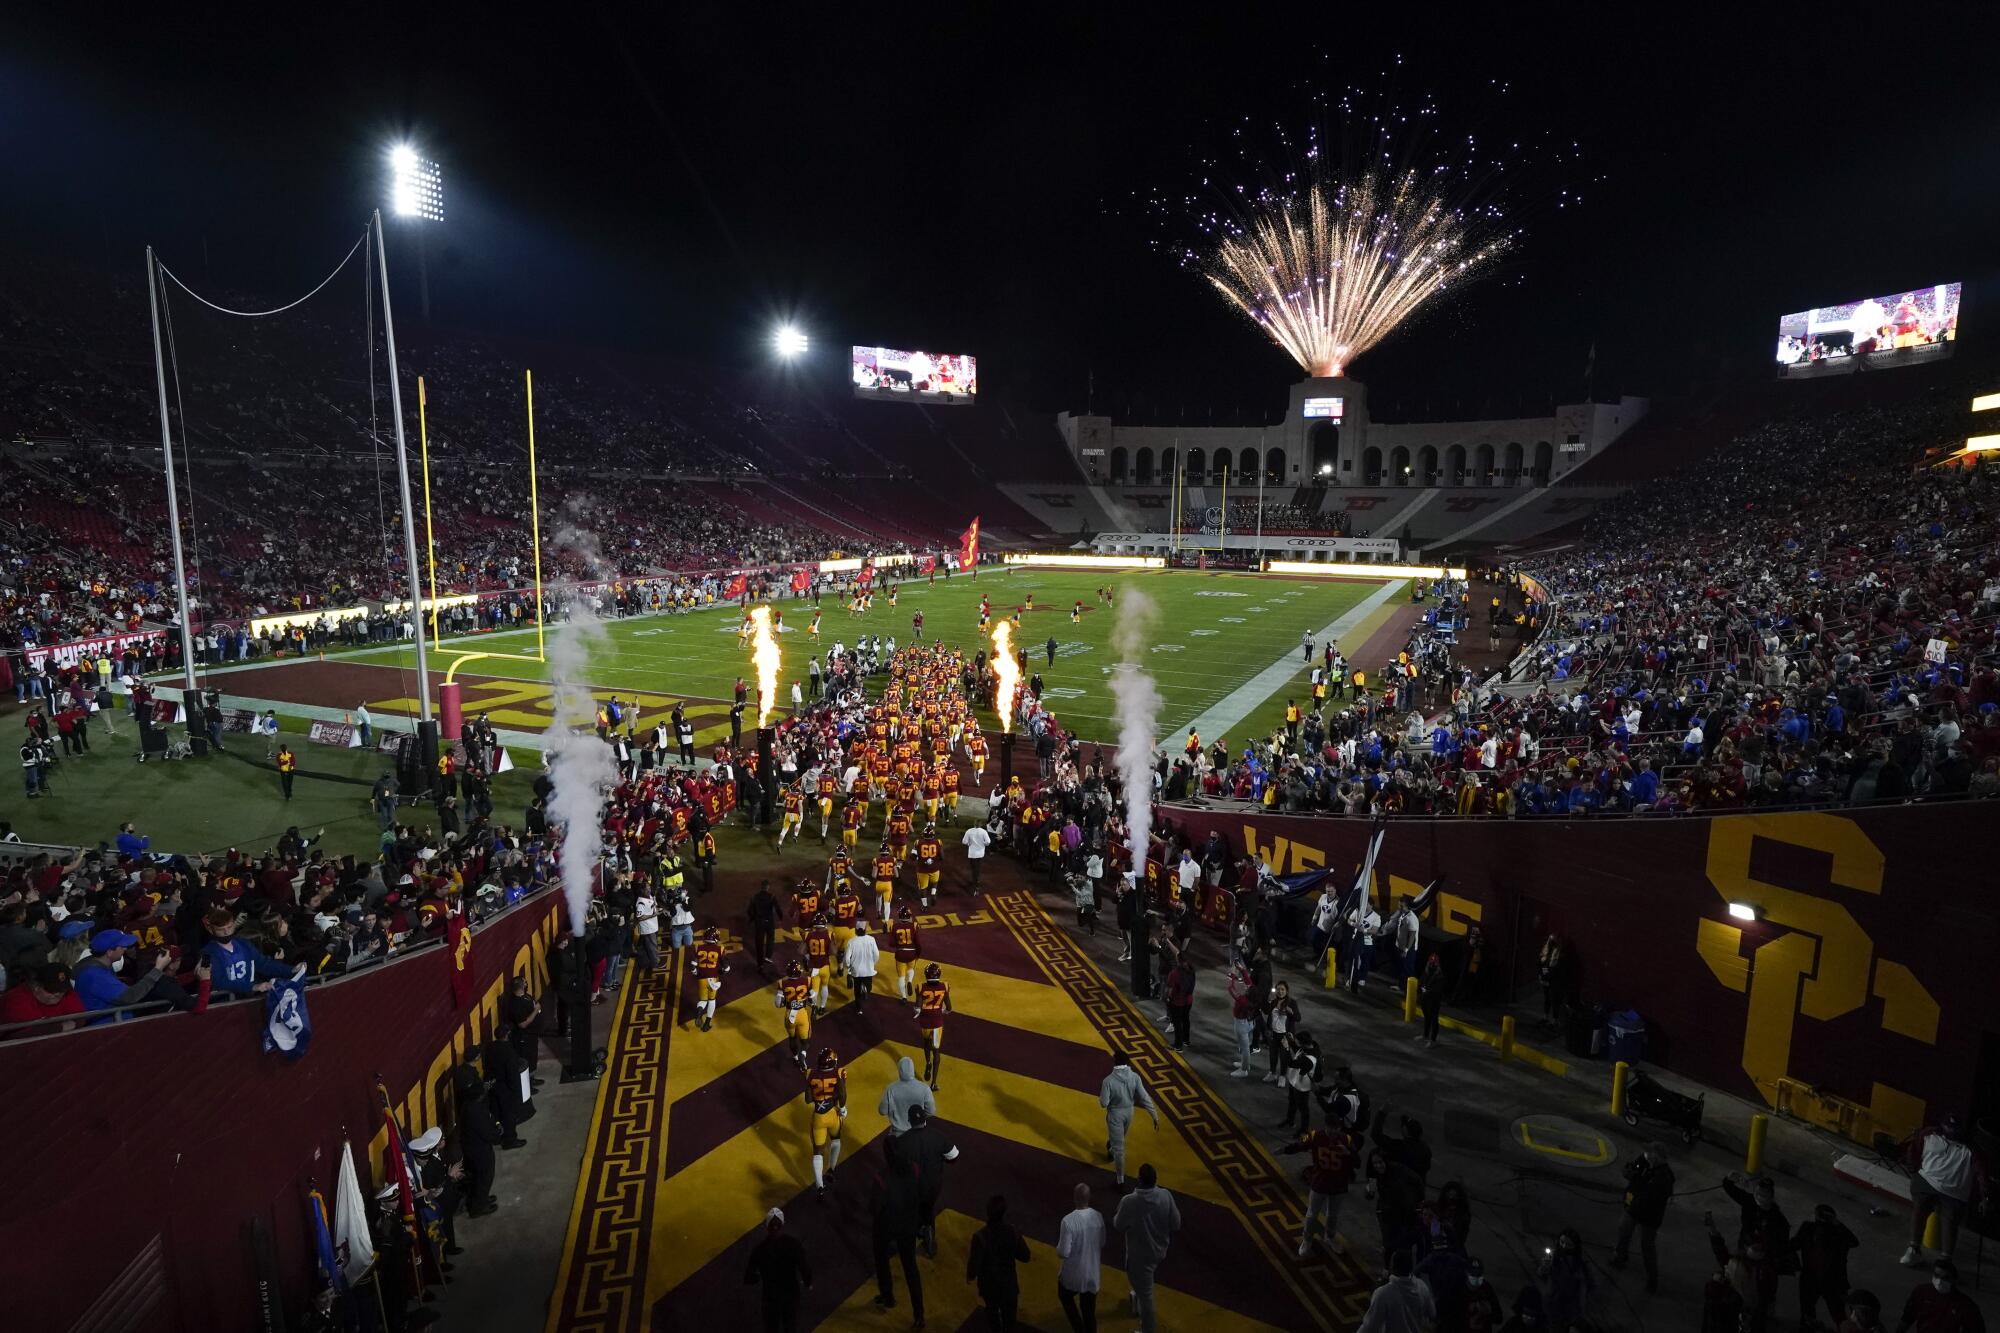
[(60, 1025)]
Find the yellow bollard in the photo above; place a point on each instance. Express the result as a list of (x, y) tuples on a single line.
[(1506, 1036), (1409, 999), (1619, 1069), (1332, 970), (1753, 1156)]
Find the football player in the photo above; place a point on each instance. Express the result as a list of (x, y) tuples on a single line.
[(908, 949), (708, 970), (933, 1003), (794, 997), (930, 861), (826, 1096)]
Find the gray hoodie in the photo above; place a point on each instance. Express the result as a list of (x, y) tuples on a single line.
[(1149, 1218), (908, 1090), (1123, 1091)]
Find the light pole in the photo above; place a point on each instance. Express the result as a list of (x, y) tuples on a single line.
[(403, 495), (416, 192)]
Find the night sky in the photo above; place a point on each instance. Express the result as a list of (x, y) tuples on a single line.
[(959, 178)]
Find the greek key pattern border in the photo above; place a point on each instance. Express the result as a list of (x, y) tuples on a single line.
[(1334, 1290), (605, 1291)]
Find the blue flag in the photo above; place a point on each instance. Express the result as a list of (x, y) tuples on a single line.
[(323, 1255), (286, 1026)]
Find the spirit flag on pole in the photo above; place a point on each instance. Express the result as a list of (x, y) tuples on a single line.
[(968, 546)]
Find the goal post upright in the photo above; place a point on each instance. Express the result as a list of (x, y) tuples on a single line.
[(535, 521), (430, 536), (448, 690)]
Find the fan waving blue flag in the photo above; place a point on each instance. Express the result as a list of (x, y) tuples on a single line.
[(287, 1028)]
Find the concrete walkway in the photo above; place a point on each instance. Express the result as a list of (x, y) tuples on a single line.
[(1473, 1108)]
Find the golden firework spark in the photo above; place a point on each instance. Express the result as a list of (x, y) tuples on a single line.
[(1008, 669), (1330, 271), (764, 653)]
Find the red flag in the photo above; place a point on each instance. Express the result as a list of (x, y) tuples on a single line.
[(737, 587), (458, 943), (968, 546), (396, 1167), (929, 564), (867, 575), (801, 580)]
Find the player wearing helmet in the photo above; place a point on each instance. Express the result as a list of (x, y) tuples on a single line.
[(795, 813), (903, 939), (829, 787), (805, 899), (794, 997), (708, 970), (826, 1097), (853, 816), (933, 1003), (819, 957), (846, 912), (883, 872), (930, 862)]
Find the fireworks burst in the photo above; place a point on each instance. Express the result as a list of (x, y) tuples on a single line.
[(1331, 272), (1331, 254)]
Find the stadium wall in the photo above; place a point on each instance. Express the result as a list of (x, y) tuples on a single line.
[(1862, 975), (141, 1155)]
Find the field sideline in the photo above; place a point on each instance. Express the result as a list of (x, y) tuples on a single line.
[(1223, 647)]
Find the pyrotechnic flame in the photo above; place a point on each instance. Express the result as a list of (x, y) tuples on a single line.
[(764, 652), (1008, 669)]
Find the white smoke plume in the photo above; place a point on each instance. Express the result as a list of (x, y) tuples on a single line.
[(1136, 700), (580, 765)]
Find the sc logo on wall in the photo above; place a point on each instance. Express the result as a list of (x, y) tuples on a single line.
[(1821, 964)]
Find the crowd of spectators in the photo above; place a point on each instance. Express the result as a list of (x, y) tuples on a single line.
[(1815, 621), (89, 551), (121, 924), (288, 485)]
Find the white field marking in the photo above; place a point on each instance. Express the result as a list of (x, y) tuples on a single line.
[(1238, 704), (1258, 610), (649, 669), (1202, 633), (1231, 620), (1169, 647), (1211, 592), (1064, 692)]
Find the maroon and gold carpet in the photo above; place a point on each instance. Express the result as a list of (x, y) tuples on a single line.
[(696, 1134)]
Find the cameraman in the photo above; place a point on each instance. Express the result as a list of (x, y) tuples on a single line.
[(1649, 1183)]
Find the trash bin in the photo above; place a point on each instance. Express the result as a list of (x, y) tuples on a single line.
[(1585, 1033), (1627, 1036)]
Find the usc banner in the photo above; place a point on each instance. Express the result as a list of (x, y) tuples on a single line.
[(1872, 938)]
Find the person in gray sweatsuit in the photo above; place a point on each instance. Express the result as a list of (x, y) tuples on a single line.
[(1148, 1217), (907, 1091), (1121, 1093)]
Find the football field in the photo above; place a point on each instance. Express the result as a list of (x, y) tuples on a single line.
[(1224, 648)]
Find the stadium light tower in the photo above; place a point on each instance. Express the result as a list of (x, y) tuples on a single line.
[(791, 341), (416, 194)]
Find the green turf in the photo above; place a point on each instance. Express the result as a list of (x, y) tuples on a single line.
[(222, 801), (1211, 633)]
